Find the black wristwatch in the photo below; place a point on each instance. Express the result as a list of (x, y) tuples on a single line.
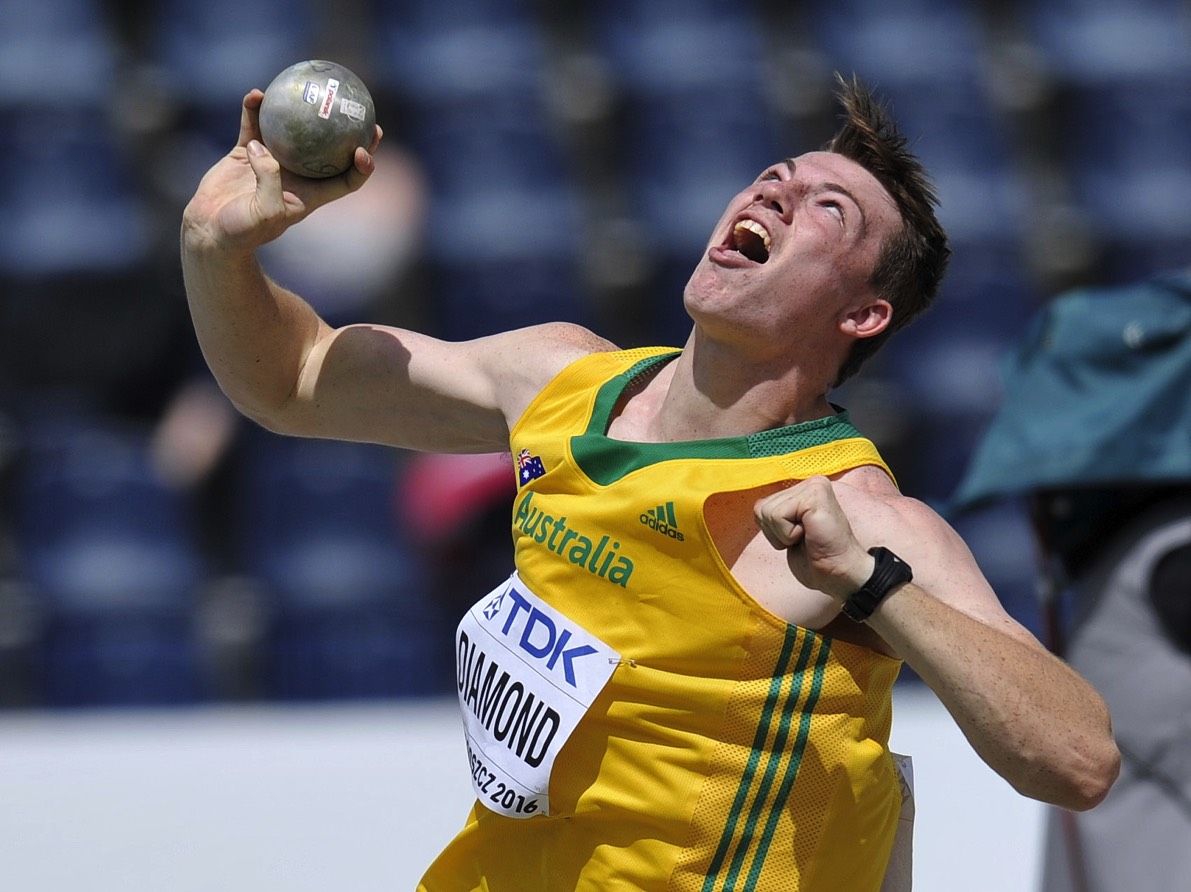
[(890, 572)]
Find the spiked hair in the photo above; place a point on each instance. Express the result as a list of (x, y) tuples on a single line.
[(912, 262)]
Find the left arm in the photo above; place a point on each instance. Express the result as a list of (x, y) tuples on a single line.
[(1028, 715)]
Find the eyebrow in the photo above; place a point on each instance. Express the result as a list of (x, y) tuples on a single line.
[(791, 165)]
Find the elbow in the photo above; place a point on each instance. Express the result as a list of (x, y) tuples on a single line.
[(1096, 764), (1099, 772), (268, 417), (1081, 781), (272, 421)]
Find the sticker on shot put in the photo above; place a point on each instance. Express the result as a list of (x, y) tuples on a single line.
[(354, 110), (526, 675), (329, 98)]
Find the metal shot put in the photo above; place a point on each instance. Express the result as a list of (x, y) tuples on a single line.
[(314, 116)]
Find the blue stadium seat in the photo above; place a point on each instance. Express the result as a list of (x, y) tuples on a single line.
[(504, 228), (926, 59), (685, 156), (947, 358), (317, 526), (443, 52), (55, 54), (961, 138), (315, 519), (213, 52), (1127, 149), (503, 232), (921, 42), (482, 296), (1102, 41), (507, 145), (663, 47), (500, 190), (76, 204), (111, 554)]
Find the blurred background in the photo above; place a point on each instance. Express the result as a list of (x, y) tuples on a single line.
[(543, 160)]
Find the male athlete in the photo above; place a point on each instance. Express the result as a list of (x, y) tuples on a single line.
[(686, 684)]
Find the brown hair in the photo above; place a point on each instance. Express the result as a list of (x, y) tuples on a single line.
[(912, 262)]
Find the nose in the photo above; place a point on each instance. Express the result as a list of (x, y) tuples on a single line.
[(772, 194)]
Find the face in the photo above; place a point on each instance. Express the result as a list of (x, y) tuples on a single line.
[(794, 251)]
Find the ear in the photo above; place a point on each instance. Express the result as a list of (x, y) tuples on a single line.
[(868, 319)]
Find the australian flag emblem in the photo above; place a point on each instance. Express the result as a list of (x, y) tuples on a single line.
[(529, 467)]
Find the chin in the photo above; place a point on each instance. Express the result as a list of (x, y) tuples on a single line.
[(706, 289)]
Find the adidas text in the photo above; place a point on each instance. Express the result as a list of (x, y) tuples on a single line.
[(661, 519)]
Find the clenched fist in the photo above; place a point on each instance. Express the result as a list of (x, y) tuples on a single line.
[(823, 553)]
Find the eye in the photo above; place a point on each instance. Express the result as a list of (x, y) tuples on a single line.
[(771, 174), (833, 207)]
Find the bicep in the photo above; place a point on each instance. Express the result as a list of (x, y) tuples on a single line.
[(397, 387)]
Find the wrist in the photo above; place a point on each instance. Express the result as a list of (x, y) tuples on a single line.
[(198, 238), (205, 252), (889, 573), (858, 575)]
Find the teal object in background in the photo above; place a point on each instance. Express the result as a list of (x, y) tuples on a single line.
[(1097, 393)]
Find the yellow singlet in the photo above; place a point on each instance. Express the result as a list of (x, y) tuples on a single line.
[(727, 749)]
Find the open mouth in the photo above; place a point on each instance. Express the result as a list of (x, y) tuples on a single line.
[(752, 240)]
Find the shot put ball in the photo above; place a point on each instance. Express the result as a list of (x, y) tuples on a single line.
[(313, 117)]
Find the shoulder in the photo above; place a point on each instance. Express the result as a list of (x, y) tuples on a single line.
[(569, 336), (520, 363), (542, 350), (943, 564), (875, 505)]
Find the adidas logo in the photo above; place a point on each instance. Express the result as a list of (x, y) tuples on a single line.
[(661, 519)]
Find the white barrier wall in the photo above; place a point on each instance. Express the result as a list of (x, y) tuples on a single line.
[(360, 798)]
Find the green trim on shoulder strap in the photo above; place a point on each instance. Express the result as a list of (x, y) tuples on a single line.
[(605, 460)]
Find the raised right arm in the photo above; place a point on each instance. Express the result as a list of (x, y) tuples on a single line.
[(283, 366)]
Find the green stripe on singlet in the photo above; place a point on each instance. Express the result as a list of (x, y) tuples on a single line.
[(730, 837), (779, 803)]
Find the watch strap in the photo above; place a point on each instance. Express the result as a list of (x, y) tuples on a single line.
[(890, 572)]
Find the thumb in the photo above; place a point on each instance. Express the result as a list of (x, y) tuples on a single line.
[(269, 200)]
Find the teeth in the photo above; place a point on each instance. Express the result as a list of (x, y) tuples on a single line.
[(751, 239), (756, 229)]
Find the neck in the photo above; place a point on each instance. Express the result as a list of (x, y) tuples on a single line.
[(711, 392)]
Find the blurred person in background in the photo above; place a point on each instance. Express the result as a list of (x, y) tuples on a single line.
[(1095, 432), (688, 679), (359, 259)]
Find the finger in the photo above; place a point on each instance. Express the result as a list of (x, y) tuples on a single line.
[(783, 535), (250, 127), (377, 136), (270, 200), (778, 516), (794, 536), (364, 163)]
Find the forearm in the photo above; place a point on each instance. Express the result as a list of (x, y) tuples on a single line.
[(254, 335), (1030, 717)]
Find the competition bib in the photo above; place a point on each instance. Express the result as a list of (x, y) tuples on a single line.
[(526, 675)]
